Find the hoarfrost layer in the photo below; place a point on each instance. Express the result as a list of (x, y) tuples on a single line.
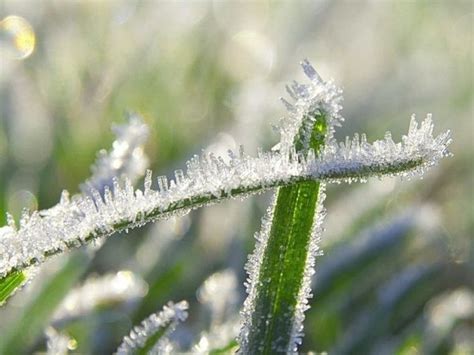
[(253, 270), (315, 98), (74, 222)]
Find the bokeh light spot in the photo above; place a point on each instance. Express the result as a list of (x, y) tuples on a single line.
[(17, 37), (20, 200), (72, 344)]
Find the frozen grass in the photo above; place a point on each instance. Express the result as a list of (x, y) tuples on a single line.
[(280, 270)]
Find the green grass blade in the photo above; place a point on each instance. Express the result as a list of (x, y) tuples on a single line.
[(10, 283), (152, 340), (278, 300), (211, 180), (283, 268), (151, 336), (22, 333)]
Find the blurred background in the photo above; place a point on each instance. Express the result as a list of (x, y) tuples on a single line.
[(397, 271)]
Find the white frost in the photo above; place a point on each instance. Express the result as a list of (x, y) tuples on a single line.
[(209, 179), (353, 160), (166, 320), (316, 97)]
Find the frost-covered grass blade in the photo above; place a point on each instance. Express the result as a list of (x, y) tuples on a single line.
[(281, 267), (75, 222), (152, 334), (306, 158)]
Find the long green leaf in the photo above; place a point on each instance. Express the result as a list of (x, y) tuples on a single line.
[(278, 304)]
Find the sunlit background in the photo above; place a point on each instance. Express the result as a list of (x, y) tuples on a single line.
[(397, 271)]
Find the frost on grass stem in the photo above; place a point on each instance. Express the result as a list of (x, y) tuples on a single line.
[(74, 222), (306, 158), (153, 332), (15, 282), (312, 99), (125, 160), (209, 179), (273, 314)]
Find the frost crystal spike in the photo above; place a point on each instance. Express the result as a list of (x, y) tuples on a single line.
[(312, 98)]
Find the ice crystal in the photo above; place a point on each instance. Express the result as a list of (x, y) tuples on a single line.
[(358, 159), (110, 203), (165, 321), (209, 179), (28, 274), (126, 158), (316, 97), (253, 268), (124, 286), (311, 100)]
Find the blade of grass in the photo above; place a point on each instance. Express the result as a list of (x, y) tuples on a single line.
[(36, 315), (151, 336), (210, 180), (9, 284), (278, 300)]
